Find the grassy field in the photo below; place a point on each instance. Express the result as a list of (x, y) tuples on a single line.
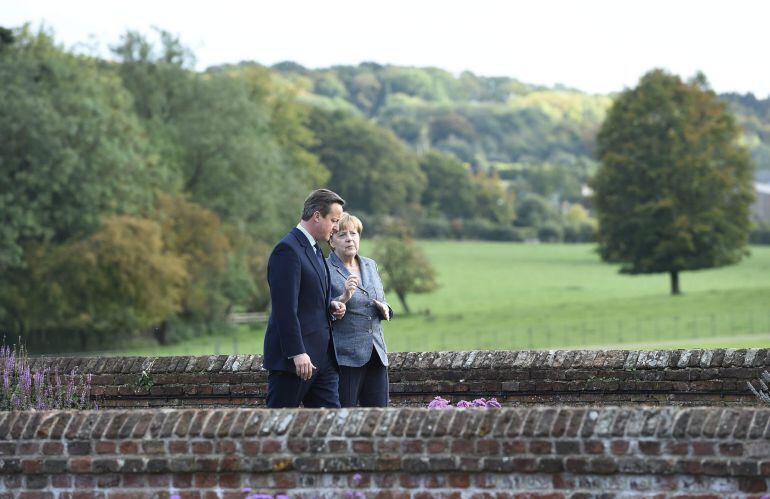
[(518, 296)]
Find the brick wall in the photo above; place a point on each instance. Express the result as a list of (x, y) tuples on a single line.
[(528, 451), (683, 377)]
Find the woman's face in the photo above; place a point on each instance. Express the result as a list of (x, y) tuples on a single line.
[(345, 241)]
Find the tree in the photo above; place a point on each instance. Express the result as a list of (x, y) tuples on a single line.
[(674, 187), (71, 148), (404, 267), (450, 187), (376, 172), (120, 279)]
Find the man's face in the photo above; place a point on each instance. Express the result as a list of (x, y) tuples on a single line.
[(324, 226)]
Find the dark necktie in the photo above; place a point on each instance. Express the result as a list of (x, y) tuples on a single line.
[(319, 255), (321, 262)]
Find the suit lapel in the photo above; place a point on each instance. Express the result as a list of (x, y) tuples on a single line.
[(335, 262), (323, 275)]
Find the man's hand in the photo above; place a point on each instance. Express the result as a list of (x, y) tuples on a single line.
[(337, 309), (384, 310), (304, 366)]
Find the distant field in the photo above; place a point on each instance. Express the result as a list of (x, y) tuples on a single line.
[(514, 296)]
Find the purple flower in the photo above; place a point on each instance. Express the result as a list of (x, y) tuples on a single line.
[(438, 403), (479, 403), (493, 403), (463, 404), (357, 477)]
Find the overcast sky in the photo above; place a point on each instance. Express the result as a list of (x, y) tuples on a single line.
[(595, 46)]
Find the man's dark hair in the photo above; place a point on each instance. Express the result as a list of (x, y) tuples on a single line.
[(320, 200)]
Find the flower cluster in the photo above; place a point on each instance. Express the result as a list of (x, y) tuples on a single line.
[(442, 403), (24, 389)]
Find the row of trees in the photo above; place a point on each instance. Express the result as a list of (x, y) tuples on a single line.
[(142, 197)]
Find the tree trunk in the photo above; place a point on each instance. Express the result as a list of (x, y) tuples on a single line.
[(160, 333), (402, 299), (675, 282)]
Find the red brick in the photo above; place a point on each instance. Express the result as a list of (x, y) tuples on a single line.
[(412, 446), (230, 480), (514, 447), (182, 480), (488, 447), (459, 480), (677, 448), (205, 480), (30, 466), (61, 481), (435, 481), (178, 447), (284, 480), (385, 480), (731, 449), (157, 480), (28, 448), (225, 447), (388, 446), (593, 447), (462, 446), (202, 447), (619, 447), (338, 446), (104, 447), (408, 480), (703, 448), (363, 447), (540, 447), (128, 447), (649, 448)]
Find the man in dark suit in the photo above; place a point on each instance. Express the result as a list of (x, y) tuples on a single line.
[(299, 351)]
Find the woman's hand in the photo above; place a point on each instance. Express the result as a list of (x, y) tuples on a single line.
[(351, 284), (384, 309)]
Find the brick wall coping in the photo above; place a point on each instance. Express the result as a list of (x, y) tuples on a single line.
[(476, 359), (713, 423)]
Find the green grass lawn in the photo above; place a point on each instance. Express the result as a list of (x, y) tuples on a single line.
[(519, 296)]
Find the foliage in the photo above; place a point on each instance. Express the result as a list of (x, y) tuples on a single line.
[(24, 389), (674, 188), (374, 170), (451, 187), (405, 268), (71, 150)]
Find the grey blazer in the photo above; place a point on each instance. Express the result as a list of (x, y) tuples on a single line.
[(360, 328)]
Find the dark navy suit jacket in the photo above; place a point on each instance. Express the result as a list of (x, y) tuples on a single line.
[(300, 321)]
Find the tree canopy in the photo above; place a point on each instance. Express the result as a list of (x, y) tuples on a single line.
[(674, 186)]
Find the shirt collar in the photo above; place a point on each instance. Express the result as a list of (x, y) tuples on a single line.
[(307, 234)]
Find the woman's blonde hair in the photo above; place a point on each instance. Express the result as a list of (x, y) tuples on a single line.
[(348, 219)]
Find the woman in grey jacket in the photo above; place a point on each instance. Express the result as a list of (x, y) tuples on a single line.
[(361, 351)]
